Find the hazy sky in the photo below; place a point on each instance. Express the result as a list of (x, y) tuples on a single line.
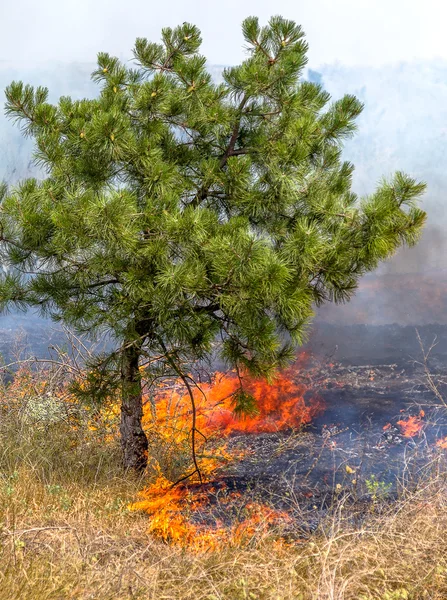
[(367, 32)]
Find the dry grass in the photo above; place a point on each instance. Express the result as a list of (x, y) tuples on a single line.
[(66, 532)]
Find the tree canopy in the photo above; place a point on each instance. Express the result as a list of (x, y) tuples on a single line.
[(175, 210)]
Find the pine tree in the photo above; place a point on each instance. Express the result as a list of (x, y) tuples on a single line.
[(175, 209)]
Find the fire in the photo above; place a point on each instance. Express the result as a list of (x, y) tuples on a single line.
[(280, 406), (168, 416), (412, 426), (174, 510), (442, 443)]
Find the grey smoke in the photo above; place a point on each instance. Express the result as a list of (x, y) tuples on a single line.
[(403, 126)]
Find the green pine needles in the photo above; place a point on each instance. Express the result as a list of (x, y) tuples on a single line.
[(176, 211)]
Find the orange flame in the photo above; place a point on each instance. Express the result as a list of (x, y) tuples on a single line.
[(280, 405), (442, 443), (412, 426), (171, 509)]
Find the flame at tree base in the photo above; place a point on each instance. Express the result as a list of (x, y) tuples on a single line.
[(174, 510), (280, 406)]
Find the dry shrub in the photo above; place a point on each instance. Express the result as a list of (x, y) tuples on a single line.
[(43, 429)]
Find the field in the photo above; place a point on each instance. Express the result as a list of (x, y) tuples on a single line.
[(67, 532)]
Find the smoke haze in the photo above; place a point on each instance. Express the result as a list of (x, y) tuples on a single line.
[(368, 32), (403, 127)]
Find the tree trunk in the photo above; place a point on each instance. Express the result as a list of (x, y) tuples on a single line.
[(133, 439)]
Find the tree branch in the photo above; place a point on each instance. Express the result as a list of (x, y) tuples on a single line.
[(203, 192), (194, 429)]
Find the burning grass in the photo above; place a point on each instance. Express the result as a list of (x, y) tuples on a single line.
[(68, 532), (278, 406), (413, 425), (175, 510), (172, 511)]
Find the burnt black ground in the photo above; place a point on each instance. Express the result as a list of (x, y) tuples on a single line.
[(346, 451), (357, 345)]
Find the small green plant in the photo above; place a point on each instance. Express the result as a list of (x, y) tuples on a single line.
[(54, 489), (377, 489), (117, 505)]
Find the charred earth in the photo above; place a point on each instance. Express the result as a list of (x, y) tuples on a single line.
[(382, 426)]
